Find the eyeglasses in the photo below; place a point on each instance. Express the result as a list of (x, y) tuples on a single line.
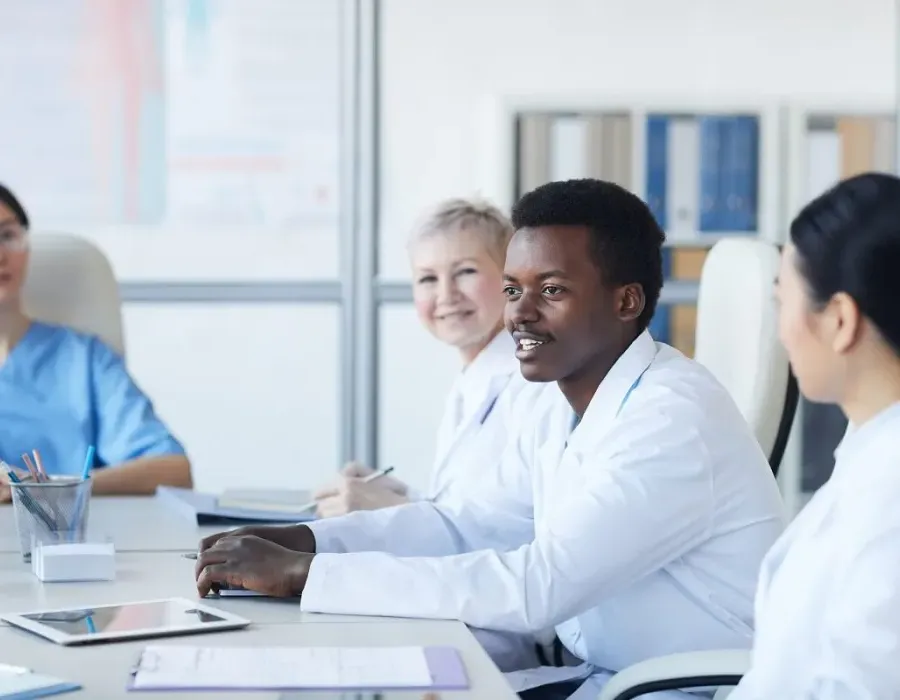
[(13, 237)]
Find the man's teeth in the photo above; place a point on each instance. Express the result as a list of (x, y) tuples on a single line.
[(529, 344)]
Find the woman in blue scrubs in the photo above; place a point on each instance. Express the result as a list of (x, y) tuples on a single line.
[(62, 391)]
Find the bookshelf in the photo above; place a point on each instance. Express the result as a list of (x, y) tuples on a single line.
[(708, 170), (826, 142)]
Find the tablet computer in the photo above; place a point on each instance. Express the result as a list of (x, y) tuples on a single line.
[(123, 621)]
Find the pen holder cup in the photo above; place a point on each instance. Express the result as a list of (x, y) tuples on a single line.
[(48, 511)]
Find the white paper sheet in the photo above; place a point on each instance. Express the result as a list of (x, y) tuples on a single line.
[(188, 667)]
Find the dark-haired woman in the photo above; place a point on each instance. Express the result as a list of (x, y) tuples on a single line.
[(828, 604), (62, 392)]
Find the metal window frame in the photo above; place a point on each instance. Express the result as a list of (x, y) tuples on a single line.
[(673, 292), (352, 291)]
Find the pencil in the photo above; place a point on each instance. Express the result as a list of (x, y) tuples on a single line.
[(40, 465), (31, 468)]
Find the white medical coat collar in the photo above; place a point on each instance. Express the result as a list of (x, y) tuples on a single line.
[(497, 358), (864, 438), (613, 391)]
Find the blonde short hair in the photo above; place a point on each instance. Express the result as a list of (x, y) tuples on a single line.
[(458, 214)]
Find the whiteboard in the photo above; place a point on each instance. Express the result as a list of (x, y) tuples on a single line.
[(183, 118)]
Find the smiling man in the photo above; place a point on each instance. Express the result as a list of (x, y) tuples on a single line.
[(651, 503)]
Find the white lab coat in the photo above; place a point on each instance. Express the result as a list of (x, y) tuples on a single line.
[(469, 451), (639, 533), (828, 606)]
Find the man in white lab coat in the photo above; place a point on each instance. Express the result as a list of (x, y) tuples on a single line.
[(638, 503)]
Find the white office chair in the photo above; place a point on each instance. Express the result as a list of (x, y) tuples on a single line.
[(71, 282), (737, 340)]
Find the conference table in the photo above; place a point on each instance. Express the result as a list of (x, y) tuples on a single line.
[(149, 539)]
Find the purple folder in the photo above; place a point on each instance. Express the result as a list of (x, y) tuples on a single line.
[(445, 664)]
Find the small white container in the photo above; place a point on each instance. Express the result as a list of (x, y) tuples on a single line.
[(74, 561)]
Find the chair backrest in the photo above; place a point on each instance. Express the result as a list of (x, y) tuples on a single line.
[(737, 338), (71, 282)]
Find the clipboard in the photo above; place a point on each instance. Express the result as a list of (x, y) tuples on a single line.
[(445, 667)]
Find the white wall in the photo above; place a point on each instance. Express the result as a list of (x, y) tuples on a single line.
[(445, 61)]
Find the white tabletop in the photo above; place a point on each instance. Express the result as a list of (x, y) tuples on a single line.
[(149, 538), (142, 576), (103, 669)]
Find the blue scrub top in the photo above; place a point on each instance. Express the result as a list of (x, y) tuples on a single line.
[(61, 391)]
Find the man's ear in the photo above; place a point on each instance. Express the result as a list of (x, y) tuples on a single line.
[(631, 302)]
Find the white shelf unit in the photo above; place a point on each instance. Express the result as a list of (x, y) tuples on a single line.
[(499, 145), (502, 171), (802, 119), (804, 122)]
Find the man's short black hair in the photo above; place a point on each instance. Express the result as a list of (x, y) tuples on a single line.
[(627, 240)]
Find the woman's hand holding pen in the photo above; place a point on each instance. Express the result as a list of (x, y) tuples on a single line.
[(360, 488)]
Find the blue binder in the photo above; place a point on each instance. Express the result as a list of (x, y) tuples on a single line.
[(660, 325), (711, 209), (657, 156), (737, 171), (744, 152)]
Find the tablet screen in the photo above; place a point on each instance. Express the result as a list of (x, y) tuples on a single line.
[(129, 617)]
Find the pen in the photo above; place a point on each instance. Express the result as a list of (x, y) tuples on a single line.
[(39, 464), (378, 475), (31, 468)]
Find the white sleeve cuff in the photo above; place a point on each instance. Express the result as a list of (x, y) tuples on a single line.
[(311, 598), (328, 533)]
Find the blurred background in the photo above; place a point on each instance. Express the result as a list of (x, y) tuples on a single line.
[(252, 169)]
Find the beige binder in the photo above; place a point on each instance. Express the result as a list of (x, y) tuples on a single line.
[(534, 151), (687, 264)]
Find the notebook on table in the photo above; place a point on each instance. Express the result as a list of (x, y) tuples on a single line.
[(283, 501), (21, 684), (206, 509), (169, 668)]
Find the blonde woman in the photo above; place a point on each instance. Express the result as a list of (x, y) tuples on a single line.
[(457, 255)]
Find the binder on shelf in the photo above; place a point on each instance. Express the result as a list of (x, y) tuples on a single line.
[(687, 264), (568, 148), (744, 166), (857, 136), (711, 210), (660, 323), (885, 158), (533, 151), (823, 161), (683, 179), (609, 148), (656, 171)]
